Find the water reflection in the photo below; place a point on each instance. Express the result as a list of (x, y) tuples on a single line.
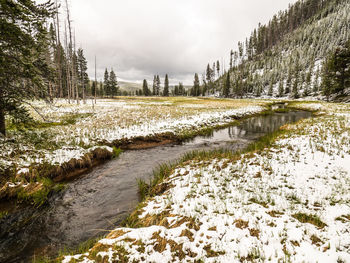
[(252, 128)]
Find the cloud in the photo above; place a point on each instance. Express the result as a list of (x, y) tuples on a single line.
[(139, 38)]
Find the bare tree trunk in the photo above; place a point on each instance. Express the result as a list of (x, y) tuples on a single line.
[(2, 122), (74, 76), (75, 94), (58, 46), (69, 91), (70, 54), (83, 86), (95, 81)]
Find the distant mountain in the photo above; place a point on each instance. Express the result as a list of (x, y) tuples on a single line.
[(285, 57), (129, 86), (134, 86)]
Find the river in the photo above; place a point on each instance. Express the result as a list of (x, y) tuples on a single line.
[(97, 202)]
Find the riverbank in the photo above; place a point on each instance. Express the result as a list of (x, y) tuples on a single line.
[(220, 206), (75, 138)]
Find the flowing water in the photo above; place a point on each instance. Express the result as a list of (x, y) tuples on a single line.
[(98, 201)]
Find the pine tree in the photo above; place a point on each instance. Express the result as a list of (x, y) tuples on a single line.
[(258, 90), (227, 86), (213, 71), (326, 83), (280, 89), (154, 86), (270, 92), (295, 88), (81, 72), (102, 91), (196, 85), (289, 82), (22, 66), (176, 90), (181, 89), (315, 85), (308, 83), (209, 78), (106, 84), (336, 70), (166, 86), (113, 83), (94, 87), (158, 86), (44, 55), (145, 89), (218, 68)]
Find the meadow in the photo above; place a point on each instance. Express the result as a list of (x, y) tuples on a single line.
[(60, 138), (286, 198)]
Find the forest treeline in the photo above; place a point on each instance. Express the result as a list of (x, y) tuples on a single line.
[(288, 55)]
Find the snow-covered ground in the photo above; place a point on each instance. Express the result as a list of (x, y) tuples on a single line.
[(286, 203), (110, 120)]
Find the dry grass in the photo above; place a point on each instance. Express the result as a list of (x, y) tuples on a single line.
[(311, 219), (240, 223)]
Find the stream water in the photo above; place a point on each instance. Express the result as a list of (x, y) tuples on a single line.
[(98, 201)]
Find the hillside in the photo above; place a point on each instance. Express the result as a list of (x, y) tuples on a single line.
[(129, 86), (285, 57)]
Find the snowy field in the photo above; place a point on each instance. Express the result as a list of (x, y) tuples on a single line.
[(286, 203), (75, 130)]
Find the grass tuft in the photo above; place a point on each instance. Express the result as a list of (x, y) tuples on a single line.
[(311, 219), (116, 152)]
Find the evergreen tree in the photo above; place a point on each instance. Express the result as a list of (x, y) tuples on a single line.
[(154, 86), (270, 92), (158, 86), (336, 70), (106, 84), (22, 66), (280, 89), (258, 90), (166, 86), (209, 79), (213, 71), (227, 86), (181, 89), (295, 88), (326, 83), (176, 90), (196, 85), (113, 83), (307, 84), (145, 89), (315, 85), (94, 87), (289, 82), (81, 72), (218, 68), (101, 90), (44, 57)]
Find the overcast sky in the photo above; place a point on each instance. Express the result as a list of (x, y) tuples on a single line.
[(139, 38)]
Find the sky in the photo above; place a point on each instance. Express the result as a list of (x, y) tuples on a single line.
[(139, 38)]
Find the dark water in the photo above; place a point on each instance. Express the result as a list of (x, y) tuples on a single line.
[(101, 199)]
